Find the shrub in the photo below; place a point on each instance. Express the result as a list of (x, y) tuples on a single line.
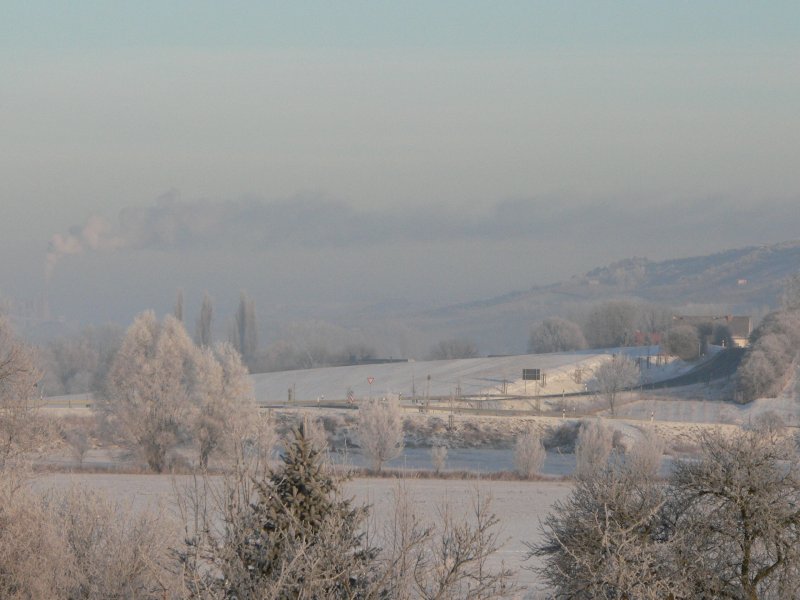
[(725, 526), (380, 431), (529, 454), (773, 349), (601, 541), (562, 438), (77, 544), (438, 457), (593, 449), (645, 455)]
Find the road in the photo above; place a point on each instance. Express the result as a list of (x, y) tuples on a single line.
[(720, 366)]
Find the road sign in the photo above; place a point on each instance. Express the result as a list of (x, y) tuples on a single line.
[(531, 374), (370, 380)]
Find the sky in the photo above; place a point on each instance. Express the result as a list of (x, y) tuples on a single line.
[(330, 156)]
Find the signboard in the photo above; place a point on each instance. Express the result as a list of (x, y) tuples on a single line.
[(370, 380), (531, 374)]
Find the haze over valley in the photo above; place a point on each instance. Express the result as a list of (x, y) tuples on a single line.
[(369, 164)]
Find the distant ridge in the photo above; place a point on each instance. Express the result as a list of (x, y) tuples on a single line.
[(743, 281)]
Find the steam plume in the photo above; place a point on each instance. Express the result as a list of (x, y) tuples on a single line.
[(96, 234)]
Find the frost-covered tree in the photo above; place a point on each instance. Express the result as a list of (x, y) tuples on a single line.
[(296, 537), (603, 540), (766, 367), (314, 432), (593, 448), (645, 455), (79, 362), (204, 319), (178, 312), (683, 341), (438, 457), (455, 348), (244, 332), (225, 408), (149, 405), (738, 510), (21, 428), (70, 362), (380, 431), (726, 525), (312, 344), (611, 324), (209, 421), (77, 544), (164, 391), (653, 318), (615, 376), (529, 454), (110, 549), (290, 534), (556, 335), (756, 375), (203, 326), (449, 560)]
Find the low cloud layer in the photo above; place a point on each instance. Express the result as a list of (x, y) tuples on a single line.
[(309, 222), (316, 258)]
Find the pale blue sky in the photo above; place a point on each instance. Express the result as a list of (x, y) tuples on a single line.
[(453, 24), (405, 112)]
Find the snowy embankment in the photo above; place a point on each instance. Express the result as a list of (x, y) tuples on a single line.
[(707, 409), (566, 372)]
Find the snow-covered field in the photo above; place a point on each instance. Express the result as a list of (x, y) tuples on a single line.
[(518, 505), (470, 376), (482, 443), (566, 372)]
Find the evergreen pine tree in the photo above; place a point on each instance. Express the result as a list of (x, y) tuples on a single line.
[(299, 538)]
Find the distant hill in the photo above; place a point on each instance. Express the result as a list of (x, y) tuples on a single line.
[(744, 281), (741, 281)]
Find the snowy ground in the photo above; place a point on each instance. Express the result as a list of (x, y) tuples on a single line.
[(482, 443), (566, 372), (519, 505), (671, 407), (471, 376)]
